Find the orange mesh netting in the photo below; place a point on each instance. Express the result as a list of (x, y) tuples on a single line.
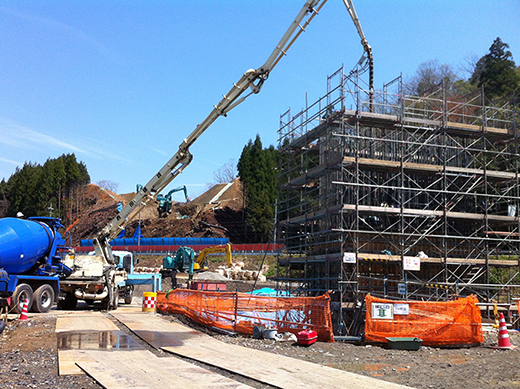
[(240, 312), (437, 323)]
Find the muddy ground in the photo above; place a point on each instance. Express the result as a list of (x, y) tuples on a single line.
[(28, 354)]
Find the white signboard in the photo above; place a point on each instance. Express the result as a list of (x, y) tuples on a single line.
[(401, 309), (412, 263), (382, 311), (349, 258)]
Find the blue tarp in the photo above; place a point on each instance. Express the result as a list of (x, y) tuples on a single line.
[(161, 242), (270, 292)]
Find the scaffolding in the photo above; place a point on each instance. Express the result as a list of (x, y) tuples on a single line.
[(402, 196)]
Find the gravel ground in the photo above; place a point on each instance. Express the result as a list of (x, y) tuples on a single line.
[(28, 354), (29, 357), (426, 368)]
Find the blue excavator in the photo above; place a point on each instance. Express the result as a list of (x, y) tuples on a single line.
[(186, 261), (164, 203)]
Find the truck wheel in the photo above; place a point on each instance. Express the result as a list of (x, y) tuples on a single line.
[(43, 299), (21, 293), (105, 303), (115, 300), (70, 302), (129, 295)]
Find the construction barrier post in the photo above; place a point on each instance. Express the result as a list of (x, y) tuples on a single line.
[(23, 315), (149, 299), (503, 336)]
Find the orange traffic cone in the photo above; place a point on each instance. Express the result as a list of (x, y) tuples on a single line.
[(23, 315), (503, 336)]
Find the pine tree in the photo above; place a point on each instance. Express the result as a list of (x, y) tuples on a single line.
[(33, 188), (496, 71), (257, 171)]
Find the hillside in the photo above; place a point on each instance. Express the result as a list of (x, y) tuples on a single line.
[(216, 213)]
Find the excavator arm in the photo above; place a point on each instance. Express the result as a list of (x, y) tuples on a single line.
[(201, 258), (183, 188), (164, 203)]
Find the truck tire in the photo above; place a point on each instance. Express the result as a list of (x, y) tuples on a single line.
[(43, 299), (105, 304), (21, 293), (129, 294), (70, 302), (115, 299)]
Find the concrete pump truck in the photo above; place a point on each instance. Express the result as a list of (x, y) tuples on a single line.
[(34, 262)]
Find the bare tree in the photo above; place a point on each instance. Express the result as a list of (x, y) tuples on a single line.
[(470, 64), (109, 185), (430, 74), (227, 173)]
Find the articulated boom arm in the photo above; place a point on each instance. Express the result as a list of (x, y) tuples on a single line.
[(368, 49), (254, 79)]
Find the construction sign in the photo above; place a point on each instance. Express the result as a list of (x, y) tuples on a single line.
[(382, 311), (412, 263)]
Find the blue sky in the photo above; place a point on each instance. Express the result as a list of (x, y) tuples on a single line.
[(122, 83)]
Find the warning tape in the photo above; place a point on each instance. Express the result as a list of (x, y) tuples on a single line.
[(438, 286), (375, 259)]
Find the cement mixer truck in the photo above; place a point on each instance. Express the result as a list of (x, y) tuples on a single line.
[(31, 262), (36, 265)]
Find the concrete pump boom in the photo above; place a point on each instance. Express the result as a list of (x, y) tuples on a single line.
[(368, 49), (253, 79)]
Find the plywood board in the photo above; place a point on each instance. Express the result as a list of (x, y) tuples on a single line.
[(67, 361), (88, 321), (81, 321), (154, 329), (143, 321), (273, 369), (142, 369)]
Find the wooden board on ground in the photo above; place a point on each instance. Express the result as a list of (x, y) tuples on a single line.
[(87, 321), (143, 321), (273, 369), (141, 369), (155, 330)]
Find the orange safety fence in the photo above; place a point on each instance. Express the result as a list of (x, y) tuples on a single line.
[(240, 312), (437, 323)]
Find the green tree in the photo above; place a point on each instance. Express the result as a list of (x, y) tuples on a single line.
[(257, 171), (496, 71), (34, 188)]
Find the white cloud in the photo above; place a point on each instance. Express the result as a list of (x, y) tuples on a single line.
[(161, 152), (16, 163), (69, 31), (18, 136)]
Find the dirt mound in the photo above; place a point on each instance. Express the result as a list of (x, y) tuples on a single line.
[(202, 217), (223, 195)]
